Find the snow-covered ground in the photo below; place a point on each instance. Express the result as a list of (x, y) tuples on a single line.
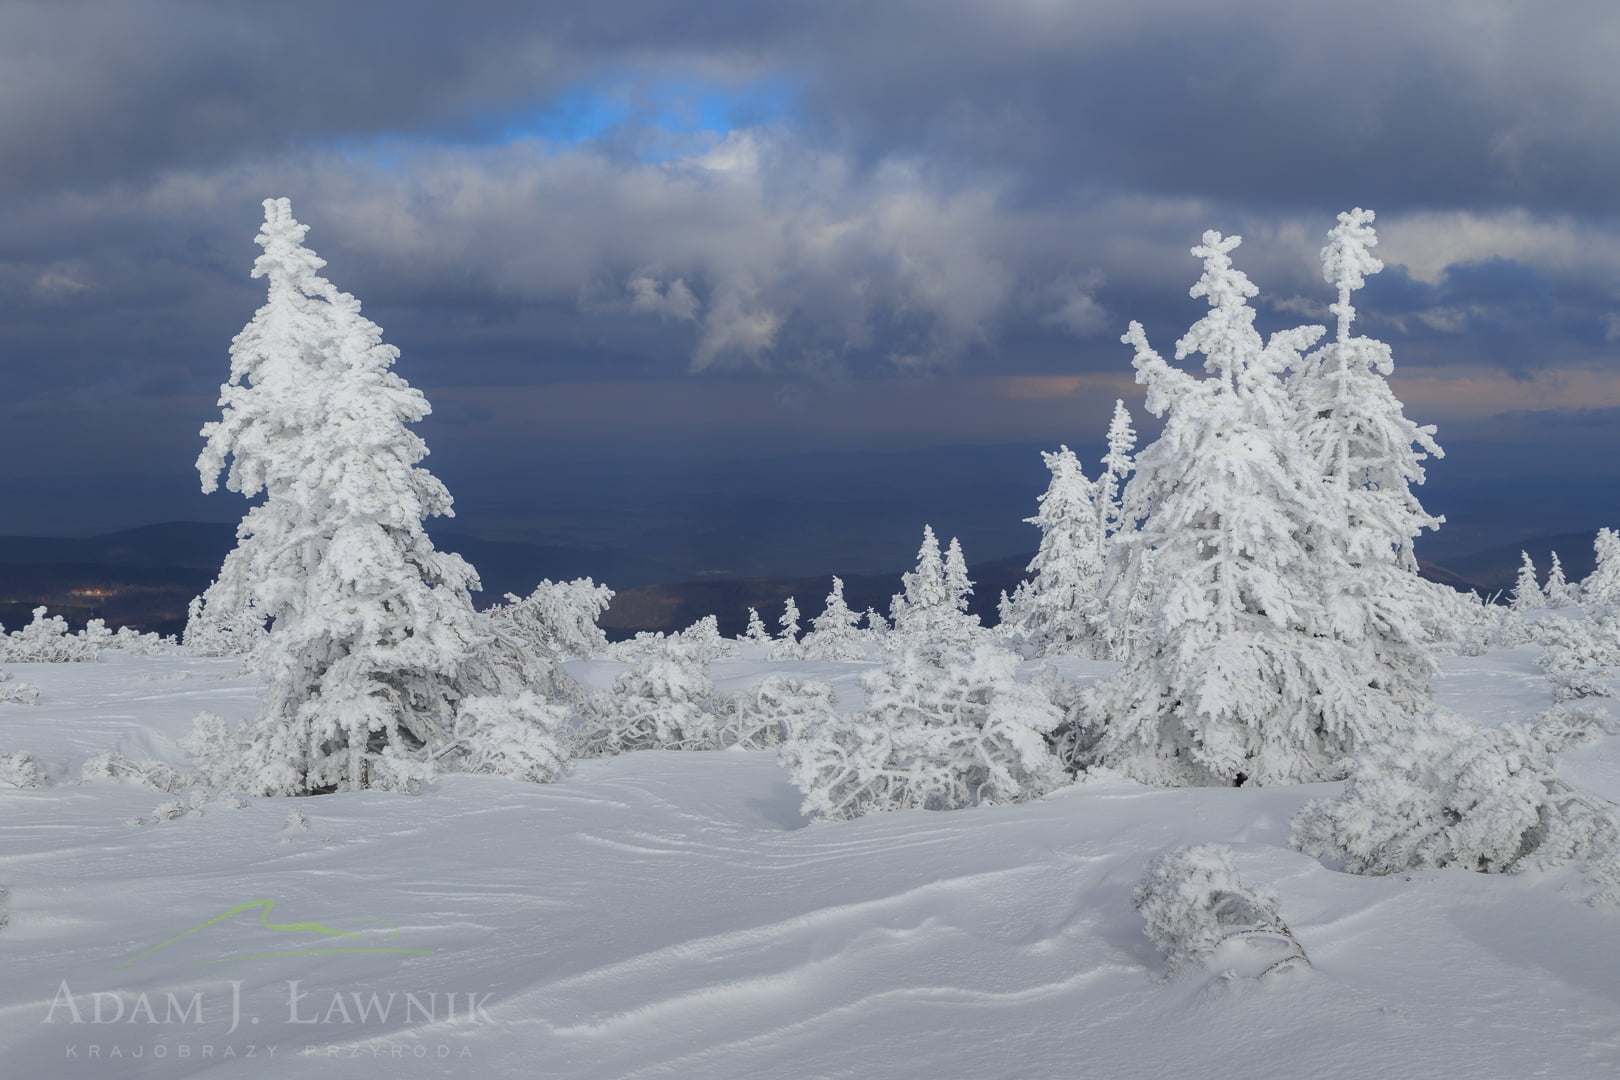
[(672, 915)]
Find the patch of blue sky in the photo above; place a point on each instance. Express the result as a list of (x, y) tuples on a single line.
[(650, 119)]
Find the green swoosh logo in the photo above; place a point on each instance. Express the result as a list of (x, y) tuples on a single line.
[(266, 906)]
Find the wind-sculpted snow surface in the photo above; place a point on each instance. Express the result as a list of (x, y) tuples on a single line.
[(672, 915)]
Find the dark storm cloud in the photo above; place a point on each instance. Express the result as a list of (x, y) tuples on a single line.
[(907, 187)]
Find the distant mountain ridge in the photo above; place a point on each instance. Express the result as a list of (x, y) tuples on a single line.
[(146, 576)]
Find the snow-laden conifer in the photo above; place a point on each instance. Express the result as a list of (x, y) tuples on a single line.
[(958, 586), (1527, 594), (1369, 455), (1602, 585), (930, 613), (931, 737), (787, 644), (1237, 676), (1117, 465), (374, 640), (835, 633), (756, 634), (1560, 593), (922, 596), (1058, 609)]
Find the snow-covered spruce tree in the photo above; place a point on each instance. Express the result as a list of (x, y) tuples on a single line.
[(787, 645), (1058, 610), (1444, 792), (1527, 594), (1369, 455), (922, 588), (756, 634), (930, 738), (958, 586), (1558, 591), (373, 640), (835, 633), (1602, 585), (930, 615), (1117, 465), (1237, 677)]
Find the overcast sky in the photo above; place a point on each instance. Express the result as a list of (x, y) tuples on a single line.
[(743, 228)]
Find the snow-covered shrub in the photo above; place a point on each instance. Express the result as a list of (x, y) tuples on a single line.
[(214, 628), (930, 738), (631, 649), (47, 640), (219, 753), (518, 735), (16, 692), (129, 640), (1196, 909), (666, 701), (20, 770), (779, 709), (113, 765), (558, 619), (1580, 656), (1444, 792), (835, 634), (703, 640)]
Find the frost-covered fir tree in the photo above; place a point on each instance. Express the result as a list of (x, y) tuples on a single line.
[(1527, 594), (931, 614), (1602, 585), (1117, 465), (1558, 591), (1238, 677), (922, 594), (1058, 610), (756, 634), (835, 633), (787, 646), (373, 639), (958, 586), (1369, 455)]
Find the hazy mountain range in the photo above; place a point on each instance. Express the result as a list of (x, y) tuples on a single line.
[(146, 576)]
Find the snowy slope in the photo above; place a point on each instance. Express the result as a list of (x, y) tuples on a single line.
[(672, 915)]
